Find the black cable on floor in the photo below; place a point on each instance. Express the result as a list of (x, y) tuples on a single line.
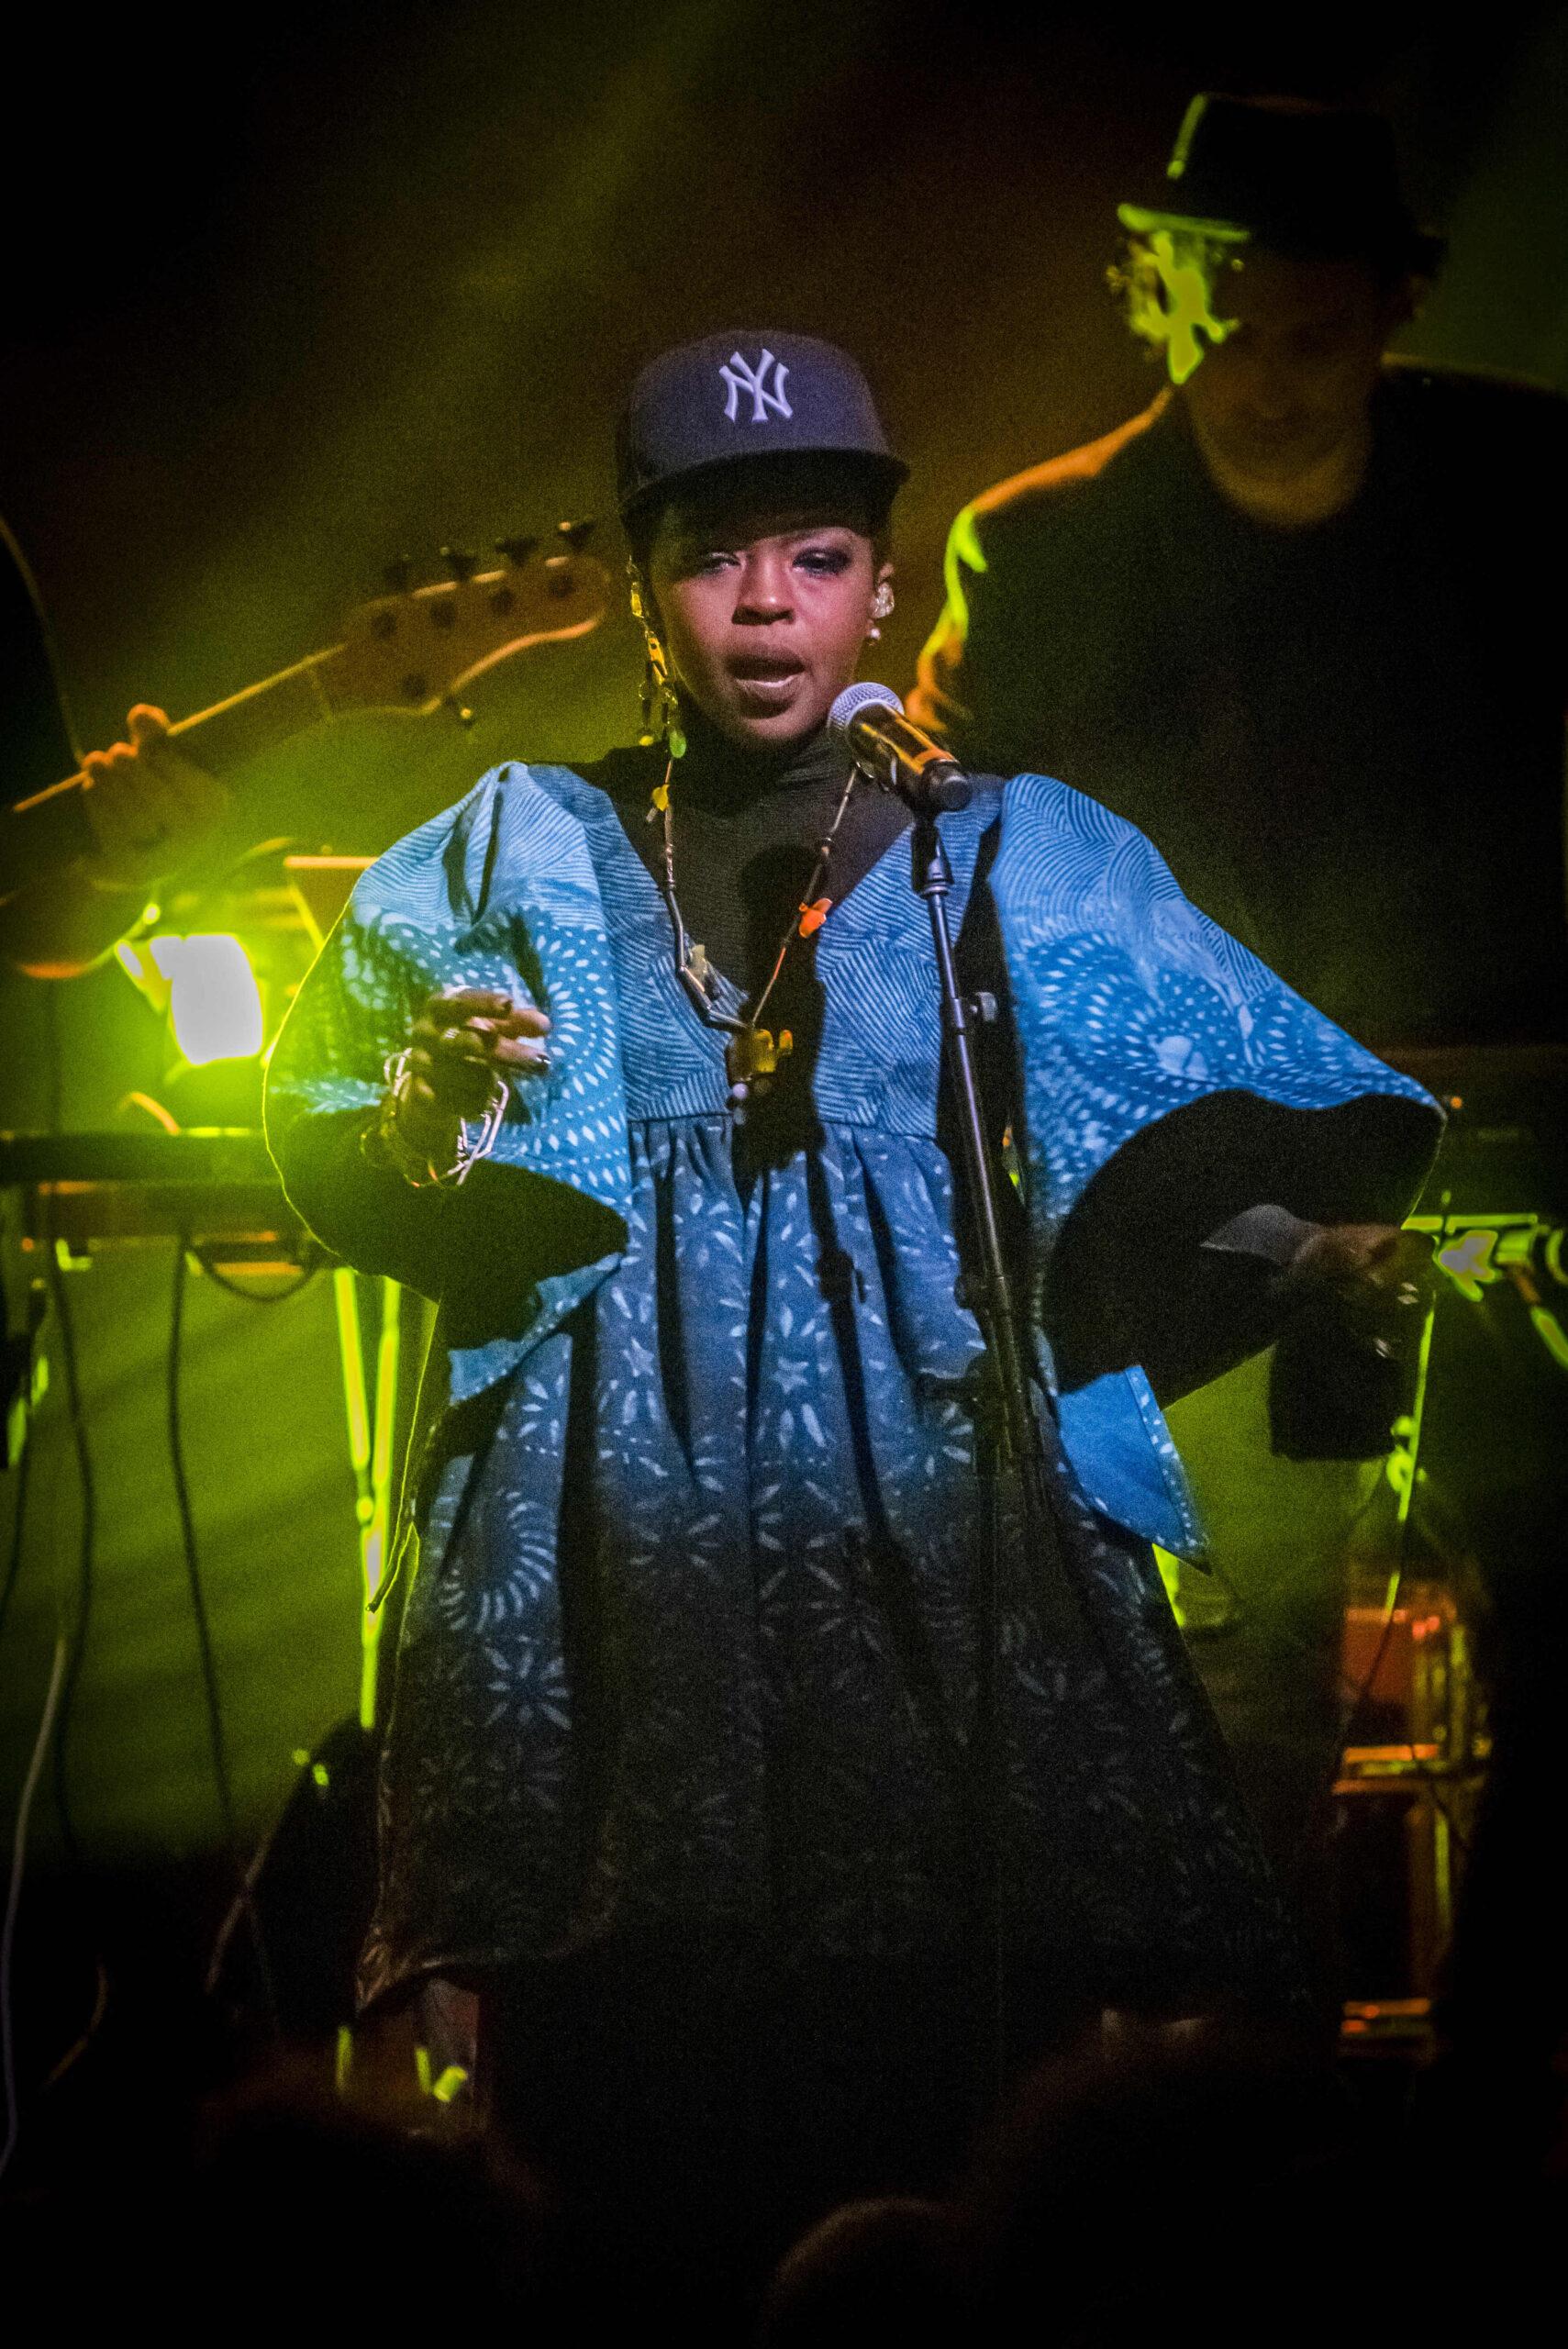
[(19, 1528), (244, 1897), (217, 1739), (77, 1417), (309, 1266)]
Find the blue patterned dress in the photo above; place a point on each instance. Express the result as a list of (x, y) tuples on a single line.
[(689, 1656)]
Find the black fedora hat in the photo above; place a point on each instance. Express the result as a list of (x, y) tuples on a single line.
[(1304, 179)]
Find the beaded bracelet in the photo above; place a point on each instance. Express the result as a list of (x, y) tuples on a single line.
[(384, 1142)]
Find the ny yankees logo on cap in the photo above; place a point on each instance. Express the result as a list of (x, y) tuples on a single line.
[(737, 378), (707, 403)]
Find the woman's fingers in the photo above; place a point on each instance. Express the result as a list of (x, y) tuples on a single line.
[(456, 1088), (484, 1026), (488, 1011), (520, 1052), (483, 1047), (463, 1038)]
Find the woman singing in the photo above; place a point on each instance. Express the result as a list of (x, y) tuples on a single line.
[(636, 1068)]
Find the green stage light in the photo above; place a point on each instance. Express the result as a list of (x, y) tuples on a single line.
[(215, 1003), (1167, 284)]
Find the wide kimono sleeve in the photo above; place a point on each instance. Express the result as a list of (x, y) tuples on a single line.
[(497, 892), (1170, 1083)]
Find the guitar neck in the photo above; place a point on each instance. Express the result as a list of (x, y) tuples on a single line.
[(262, 717), (411, 653), (39, 835)]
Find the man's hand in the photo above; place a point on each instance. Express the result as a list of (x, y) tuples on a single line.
[(1376, 1275), (461, 1039), (150, 808), (1340, 1254)]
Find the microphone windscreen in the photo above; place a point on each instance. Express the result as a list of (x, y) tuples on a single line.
[(853, 699)]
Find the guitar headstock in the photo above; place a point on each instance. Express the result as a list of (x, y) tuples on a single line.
[(416, 648)]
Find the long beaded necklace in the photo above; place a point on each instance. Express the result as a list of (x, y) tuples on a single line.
[(753, 1052)]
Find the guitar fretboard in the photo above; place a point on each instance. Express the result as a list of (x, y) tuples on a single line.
[(263, 716)]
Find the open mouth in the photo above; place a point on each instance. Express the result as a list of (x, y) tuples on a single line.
[(766, 681), (763, 669)]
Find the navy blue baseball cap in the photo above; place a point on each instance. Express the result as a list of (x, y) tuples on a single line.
[(731, 398)]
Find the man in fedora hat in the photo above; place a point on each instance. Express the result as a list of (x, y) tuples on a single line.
[(1303, 622), (1291, 618)]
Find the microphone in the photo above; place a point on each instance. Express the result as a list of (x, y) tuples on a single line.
[(896, 754)]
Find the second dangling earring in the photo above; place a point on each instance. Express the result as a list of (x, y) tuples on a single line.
[(661, 702), (881, 609)]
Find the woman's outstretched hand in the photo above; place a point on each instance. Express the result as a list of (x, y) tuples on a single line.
[(463, 1038)]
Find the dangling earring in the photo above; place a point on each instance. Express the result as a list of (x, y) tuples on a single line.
[(881, 609), (661, 702)]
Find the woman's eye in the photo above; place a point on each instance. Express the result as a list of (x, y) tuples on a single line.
[(826, 563)]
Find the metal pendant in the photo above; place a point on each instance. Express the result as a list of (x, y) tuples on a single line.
[(751, 1060)]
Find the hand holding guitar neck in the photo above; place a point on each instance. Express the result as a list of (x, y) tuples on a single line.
[(149, 808), (420, 651)]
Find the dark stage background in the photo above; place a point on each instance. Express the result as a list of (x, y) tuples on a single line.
[(294, 294)]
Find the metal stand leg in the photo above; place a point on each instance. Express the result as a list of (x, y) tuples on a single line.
[(1008, 1440), (370, 1453)]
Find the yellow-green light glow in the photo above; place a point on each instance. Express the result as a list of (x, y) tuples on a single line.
[(1551, 1332), (1171, 1576), (1191, 325), (965, 553), (355, 1397), (371, 1450), (1167, 280), (214, 1005), (378, 1533)]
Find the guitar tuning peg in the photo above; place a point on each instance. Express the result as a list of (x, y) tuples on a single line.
[(516, 549), (575, 536), (399, 575), (460, 563)]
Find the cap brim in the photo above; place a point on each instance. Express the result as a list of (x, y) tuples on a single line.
[(1140, 218), (889, 472), (1315, 236)]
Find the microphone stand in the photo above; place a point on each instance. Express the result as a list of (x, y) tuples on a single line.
[(1009, 1436)]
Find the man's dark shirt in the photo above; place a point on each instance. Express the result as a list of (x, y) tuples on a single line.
[(1347, 739)]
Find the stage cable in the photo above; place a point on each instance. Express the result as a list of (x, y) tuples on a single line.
[(1358, 1696), (76, 1641), (69, 1649), (215, 1737), (312, 1262), (19, 1527), (14, 1893), (222, 1776), (1415, 1423)]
